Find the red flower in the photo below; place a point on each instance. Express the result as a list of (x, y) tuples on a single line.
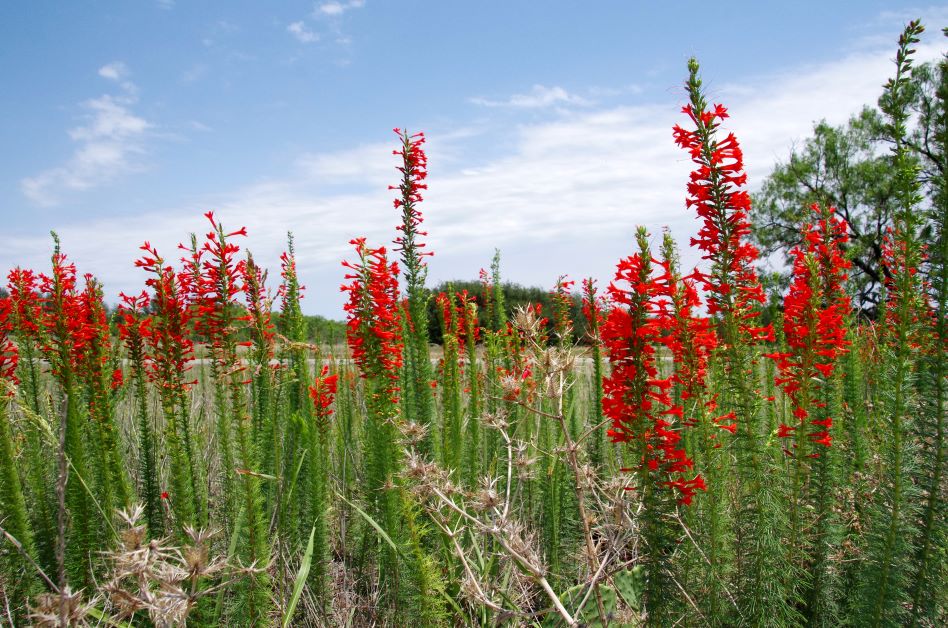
[(562, 302), (117, 379), (259, 306), (374, 327), (414, 171), (815, 312), (68, 329), (164, 336), (217, 277), (323, 393), (25, 302), (785, 431), (715, 190), (903, 285), (634, 396), (8, 351)]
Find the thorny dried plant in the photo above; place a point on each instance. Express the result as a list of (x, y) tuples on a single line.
[(146, 576), (62, 609), (490, 511)]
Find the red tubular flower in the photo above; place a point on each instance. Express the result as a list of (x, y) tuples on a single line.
[(323, 394), (290, 277), (118, 379), (635, 397), (25, 302), (373, 329), (414, 171), (451, 317), (96, 327), (259, 307), (691, 339), (63, 318), (95, 352), (901, 262), (467, 311), (716, 192), (8, 352), (815, 312), (219, 281), (133, 324), (561, 298), (168, 347), (594, 309)]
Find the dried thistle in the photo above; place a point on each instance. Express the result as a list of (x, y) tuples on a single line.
[(57, 609), (145, 576), (487, 497), (412, 433)]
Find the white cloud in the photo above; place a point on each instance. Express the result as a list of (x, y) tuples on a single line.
[(302, 34), (363, 165), (166, 4), (107, 145), (539, 96), (115, 71), (334, 9)]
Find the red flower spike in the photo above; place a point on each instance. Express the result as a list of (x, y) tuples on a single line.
[(715, 191), (815, 312), (638, 402), (373, 328), (323, 394), (8, 350), (414, 171)]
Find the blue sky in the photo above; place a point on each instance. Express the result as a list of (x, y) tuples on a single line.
[(548, 122)]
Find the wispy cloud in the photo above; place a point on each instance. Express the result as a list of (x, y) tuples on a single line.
[(166, 4), (107, 145), (115, 71), (195, 73), (301, 33), (538, 97), (362, 165), (335, 8), (197, 125)]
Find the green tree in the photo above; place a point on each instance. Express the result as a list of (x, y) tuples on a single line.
[(850, 167)]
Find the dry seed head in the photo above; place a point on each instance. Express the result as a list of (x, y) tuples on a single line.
[(523, 463), (125, 603), (469, 591), (557, 360), (412, 433), (587, 476), (511, 385), (46, 612), (523, 545), (487, 497), (171, 610), (496, 420), (615, 485), (526, 321), (420, 470)]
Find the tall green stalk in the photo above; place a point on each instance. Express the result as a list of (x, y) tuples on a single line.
[(884, 589), (15, 520), (931, 562)]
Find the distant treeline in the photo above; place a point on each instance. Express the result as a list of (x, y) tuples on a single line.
[(326, 331), (515, 296)]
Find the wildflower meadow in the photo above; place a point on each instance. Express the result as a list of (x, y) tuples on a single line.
[(674, 447)]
